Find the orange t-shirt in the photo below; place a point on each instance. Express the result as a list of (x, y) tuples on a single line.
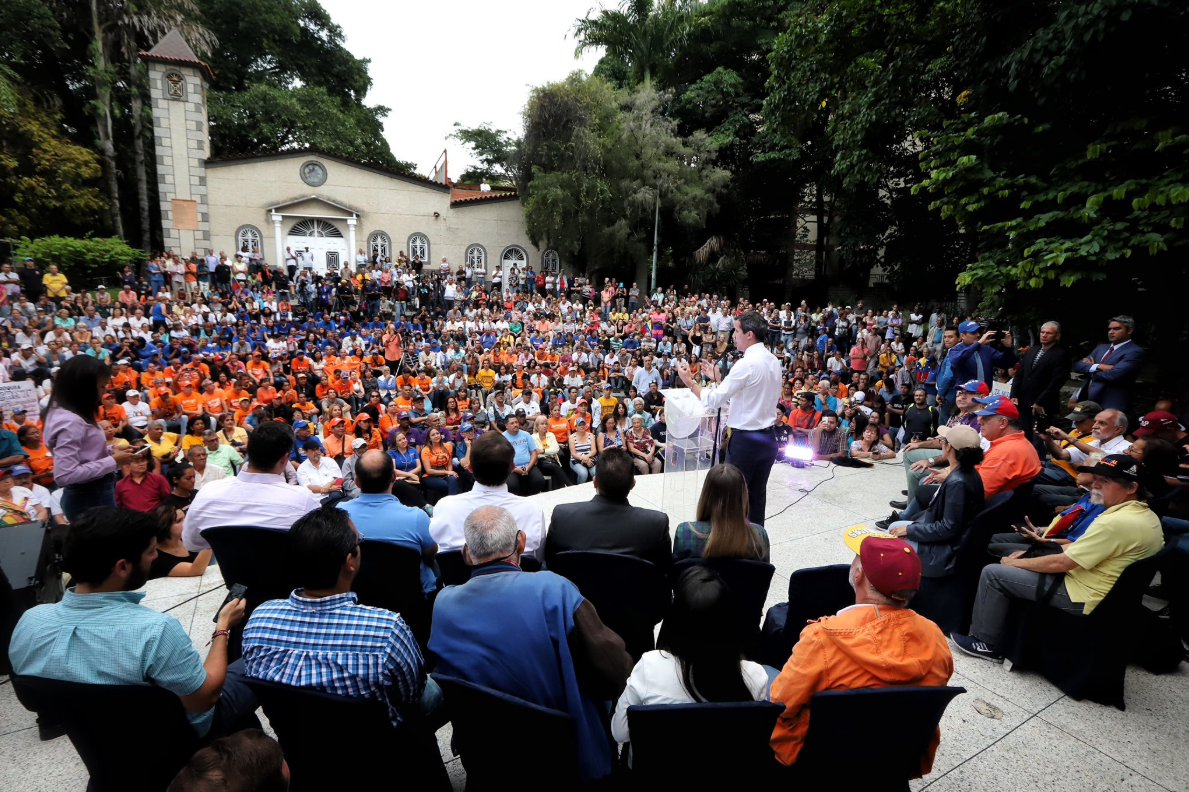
[(265, 394), (437, 458), (560, 428), (41, 463), (113, 415), (240, 415), (213, 401)]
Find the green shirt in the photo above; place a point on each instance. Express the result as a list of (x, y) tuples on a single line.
[(1118, 537)]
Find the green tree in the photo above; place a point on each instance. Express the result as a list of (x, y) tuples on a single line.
[(1070, 161), (46, 181), (496, 151), (284, 79), (262, 115), (592, 164), (643, 34), (87, 257), (852, 84)]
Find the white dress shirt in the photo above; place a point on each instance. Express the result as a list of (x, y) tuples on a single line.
[(450, 512), (262, 500), (752, 388), (1116, 445)]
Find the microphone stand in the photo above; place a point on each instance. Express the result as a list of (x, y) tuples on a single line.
[(718, 429)]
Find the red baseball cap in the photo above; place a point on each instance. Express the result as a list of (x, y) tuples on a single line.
[(1155, 421), (889, 563)]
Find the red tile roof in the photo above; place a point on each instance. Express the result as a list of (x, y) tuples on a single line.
[(470, 193)]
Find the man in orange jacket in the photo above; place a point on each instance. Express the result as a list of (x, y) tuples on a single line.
[(877, 642)]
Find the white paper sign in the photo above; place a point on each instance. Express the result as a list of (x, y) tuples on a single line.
[(19, 394)]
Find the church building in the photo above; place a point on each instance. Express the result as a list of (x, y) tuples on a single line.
[(297, 200)]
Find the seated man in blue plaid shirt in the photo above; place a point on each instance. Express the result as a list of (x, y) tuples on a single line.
[(321, 637)]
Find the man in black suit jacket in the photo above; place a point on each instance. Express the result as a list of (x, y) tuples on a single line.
[(607, 521), (1043, 370)]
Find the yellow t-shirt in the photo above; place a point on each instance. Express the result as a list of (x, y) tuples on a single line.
[(608, 403), (486, 377), (1118, 537), (55, 285)]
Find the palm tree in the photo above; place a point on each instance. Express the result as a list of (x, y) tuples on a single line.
[(642, 33)]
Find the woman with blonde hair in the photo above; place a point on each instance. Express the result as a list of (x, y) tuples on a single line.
[(722, 529)]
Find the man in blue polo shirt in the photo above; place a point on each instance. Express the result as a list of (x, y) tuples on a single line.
[(380, 516), (531, 636)]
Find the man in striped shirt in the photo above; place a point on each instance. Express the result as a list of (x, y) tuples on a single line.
[(322, 638)]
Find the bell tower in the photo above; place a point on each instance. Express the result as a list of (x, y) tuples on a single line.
[(181, 137)]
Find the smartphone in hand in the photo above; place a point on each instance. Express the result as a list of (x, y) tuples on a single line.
[(238, 591)]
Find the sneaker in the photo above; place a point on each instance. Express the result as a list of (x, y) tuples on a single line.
[(898, 504), (883, 524), (974, 647)]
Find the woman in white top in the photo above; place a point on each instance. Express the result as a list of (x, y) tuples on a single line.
[(698, 641)]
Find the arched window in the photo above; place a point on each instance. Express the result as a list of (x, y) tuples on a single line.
[(419, 247), (315, 228), (476, 256), (514, 256), (551, 261), (248, 237), (378, 242)]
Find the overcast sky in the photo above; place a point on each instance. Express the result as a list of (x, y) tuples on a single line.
[(469, 61)]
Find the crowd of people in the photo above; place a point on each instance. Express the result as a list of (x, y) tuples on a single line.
[(419, 406)]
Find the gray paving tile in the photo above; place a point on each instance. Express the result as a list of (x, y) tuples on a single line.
[(1148, 737), (1036, 756), (29, 765), (13, 717)]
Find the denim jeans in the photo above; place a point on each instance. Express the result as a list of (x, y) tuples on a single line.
[(78, 498)]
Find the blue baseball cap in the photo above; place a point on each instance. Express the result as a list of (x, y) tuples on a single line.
[(20, 470), (466, 427), (300, 425), (968, 327)]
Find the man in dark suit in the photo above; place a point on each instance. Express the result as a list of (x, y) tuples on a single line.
[(1113, 367), (1037, 385), (607, 521)]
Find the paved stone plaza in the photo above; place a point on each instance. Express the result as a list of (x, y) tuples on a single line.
[(1042, 741)]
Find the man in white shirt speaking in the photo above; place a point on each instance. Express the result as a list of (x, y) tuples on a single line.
[(752, 389)]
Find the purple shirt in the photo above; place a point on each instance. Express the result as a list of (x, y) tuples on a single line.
[(80, 450)]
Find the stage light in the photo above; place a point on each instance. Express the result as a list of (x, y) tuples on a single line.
[(798, 456)]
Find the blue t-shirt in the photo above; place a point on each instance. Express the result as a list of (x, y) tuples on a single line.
[(524, 445), (382, 517)]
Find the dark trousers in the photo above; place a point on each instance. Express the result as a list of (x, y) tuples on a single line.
[(754, 453), (409, 494), (526, 485)]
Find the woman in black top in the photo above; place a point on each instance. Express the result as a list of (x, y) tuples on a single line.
[(182, 477), (173, 560)]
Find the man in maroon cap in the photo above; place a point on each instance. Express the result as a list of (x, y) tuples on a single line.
[(877, 642), (1163, 426)]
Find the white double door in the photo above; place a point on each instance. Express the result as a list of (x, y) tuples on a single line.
[(330, 254)]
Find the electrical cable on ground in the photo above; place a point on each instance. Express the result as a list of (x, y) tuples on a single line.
[(833, 470)]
